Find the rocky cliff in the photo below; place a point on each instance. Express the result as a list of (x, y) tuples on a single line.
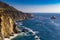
[(8, 16)]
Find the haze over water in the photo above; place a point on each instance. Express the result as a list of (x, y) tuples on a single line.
[(38, 6)]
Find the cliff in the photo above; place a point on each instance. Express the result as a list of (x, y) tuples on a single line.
[(8, 16)]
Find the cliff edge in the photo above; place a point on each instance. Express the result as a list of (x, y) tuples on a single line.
[(8, 16)]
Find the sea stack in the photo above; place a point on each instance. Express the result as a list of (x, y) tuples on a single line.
[(8, 16), (53, 17)]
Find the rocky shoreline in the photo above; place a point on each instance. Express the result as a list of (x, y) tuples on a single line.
[(8, 17), (15, 35)]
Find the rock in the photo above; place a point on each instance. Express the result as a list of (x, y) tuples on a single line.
[(53, 17), (8, 16)]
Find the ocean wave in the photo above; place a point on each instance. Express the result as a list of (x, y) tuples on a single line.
[(33, 33)]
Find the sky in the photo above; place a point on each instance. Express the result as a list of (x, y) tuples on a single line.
[(40, 6)]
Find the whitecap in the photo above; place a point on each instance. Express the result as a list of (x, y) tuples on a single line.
[(33, 33)]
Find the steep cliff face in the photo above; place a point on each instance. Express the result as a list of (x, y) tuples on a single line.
[(8, 16), (4, 26)]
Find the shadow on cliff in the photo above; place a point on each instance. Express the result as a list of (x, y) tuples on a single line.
[(8, 16)]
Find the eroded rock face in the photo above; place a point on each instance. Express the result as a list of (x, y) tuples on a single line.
[(6, 25), (8, 16)]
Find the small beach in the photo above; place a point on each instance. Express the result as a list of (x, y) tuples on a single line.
[(15, 35)]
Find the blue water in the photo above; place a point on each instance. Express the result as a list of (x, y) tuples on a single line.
[(46, 28)]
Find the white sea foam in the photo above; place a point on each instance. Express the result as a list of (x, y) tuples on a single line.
[(33, 33), (37, 38)]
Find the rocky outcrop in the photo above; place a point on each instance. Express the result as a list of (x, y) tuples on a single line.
[(8, 16)]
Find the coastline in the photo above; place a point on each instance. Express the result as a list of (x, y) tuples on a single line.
[(11, 37), (15, 35)]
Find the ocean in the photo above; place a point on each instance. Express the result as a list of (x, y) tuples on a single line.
[(42, 25)]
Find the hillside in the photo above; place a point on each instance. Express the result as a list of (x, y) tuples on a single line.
[(8, 16)]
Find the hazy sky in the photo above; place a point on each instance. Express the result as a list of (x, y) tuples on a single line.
[(43, 6)]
